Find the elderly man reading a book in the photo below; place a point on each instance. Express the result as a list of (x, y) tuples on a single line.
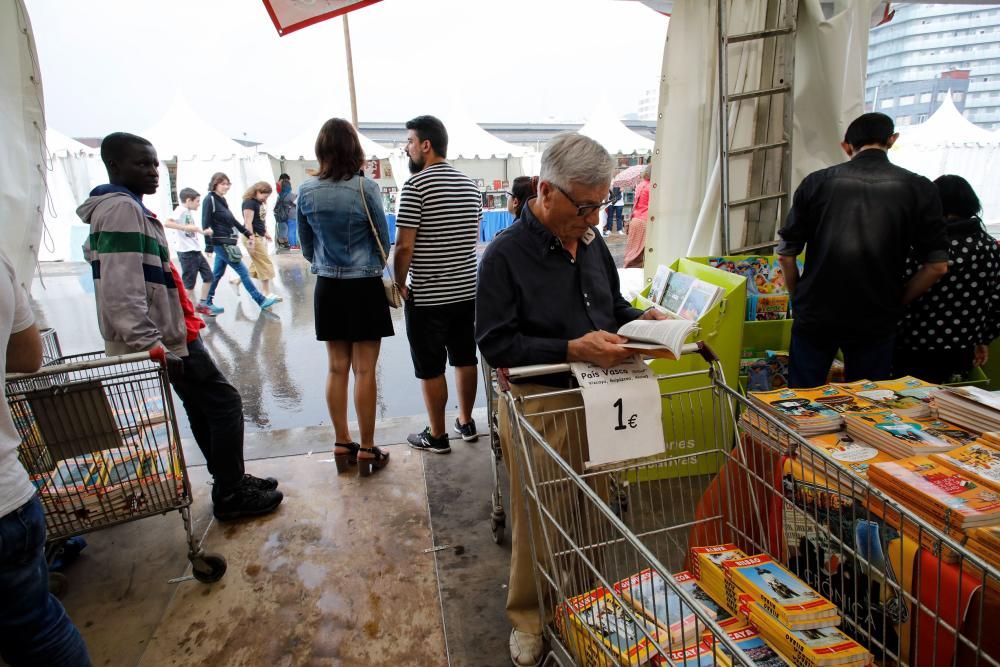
[(548, 292)]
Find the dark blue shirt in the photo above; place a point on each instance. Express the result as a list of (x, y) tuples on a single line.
[(533, 297)]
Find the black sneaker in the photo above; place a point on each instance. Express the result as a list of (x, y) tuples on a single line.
[(428, 443), (467, 431), (245, 501), (265, 484)]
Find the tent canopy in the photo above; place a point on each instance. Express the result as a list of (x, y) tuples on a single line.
[(302, 146), (946, 127), (468, 141), (183, 134), (59, 145), (606, 129)]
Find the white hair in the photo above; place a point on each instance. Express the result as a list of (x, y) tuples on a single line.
[(573, 158)]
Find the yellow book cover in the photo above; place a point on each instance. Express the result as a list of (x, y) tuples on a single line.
[(701, 654), (818, 647), (908, 396), (848, 452), (597, 617), (979, 461), (778, 591), (826, 401)]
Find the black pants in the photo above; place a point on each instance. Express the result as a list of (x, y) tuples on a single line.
[(934, 366), (215, 410), (811, 354)]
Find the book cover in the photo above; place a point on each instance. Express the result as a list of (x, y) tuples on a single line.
[(978, 460), (596, 616), (816, 647), (849, 453), (906, 396), (678, 286), (750, 641), (932, 434), (778, 591), (658, 286), (938, 489), (700, 654), (767, 307), (648, 593)]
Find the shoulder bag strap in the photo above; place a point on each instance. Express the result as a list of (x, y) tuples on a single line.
[(364, 202)]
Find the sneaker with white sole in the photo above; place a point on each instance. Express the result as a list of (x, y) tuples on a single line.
[(268, 302), (467, 430), (526, 649), (275, 297), (211, 308), (424, 441)]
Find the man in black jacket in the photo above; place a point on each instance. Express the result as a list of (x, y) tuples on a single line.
[(857, 222)]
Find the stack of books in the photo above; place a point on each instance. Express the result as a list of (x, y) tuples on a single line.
[(706, 565), (980, 461), (648, 593), (847, 452), (906, 396), (904, 437), (985, 543), (971, 407), (944, 497), (770, 587), (598, 625), (811, 411), (819, 647)]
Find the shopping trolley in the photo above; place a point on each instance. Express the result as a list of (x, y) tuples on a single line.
[(99, 440), (498, 518), (727, 475)]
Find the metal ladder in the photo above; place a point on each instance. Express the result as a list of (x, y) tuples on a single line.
[(765, 200)]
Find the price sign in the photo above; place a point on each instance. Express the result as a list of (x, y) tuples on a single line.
[(623, 411)]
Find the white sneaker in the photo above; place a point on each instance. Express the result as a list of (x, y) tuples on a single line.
[(526, 650), (275, 297), (606, 233), (622, 232)]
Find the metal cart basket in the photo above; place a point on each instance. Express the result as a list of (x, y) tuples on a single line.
[(892, 575), (100, 442)]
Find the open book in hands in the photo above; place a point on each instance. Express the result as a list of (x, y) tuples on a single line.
[(662, 339)]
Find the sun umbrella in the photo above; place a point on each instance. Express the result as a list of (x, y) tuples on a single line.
[(627, 178)]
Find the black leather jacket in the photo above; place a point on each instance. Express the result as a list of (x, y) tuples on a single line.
[(857, 222)]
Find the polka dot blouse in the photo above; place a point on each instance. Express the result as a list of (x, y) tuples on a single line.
[(963, 308)]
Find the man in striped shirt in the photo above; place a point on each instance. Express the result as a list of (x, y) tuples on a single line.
[(437, 228)]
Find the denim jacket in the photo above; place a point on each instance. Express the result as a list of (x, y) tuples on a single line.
[(334, 232)]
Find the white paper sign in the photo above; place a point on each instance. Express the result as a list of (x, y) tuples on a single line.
[(622, 410)]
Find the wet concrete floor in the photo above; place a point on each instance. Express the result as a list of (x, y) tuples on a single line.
[(341, 574)]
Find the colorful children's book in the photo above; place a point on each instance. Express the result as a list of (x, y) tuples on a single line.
[(940, 494), (778, 591), (761, 307)]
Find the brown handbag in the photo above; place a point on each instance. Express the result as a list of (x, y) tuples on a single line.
[(392, 295)]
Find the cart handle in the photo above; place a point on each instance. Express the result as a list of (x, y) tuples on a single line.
[(158, 355), (700, 348)]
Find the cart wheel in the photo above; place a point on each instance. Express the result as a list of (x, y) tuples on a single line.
[(208, 567), (497, 527), (58, 584)]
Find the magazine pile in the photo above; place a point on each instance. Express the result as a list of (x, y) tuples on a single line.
[(809, 411), (971, 407)]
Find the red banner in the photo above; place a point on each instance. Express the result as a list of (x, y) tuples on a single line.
[(291, 15)]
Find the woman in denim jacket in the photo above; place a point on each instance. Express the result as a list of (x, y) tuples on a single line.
[(352, 314)]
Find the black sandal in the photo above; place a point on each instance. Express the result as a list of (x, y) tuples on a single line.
[(345, 459), (367, 466)]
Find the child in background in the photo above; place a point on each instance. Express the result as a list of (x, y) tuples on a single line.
[(187, 240)]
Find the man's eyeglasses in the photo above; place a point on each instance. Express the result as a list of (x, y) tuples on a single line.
[(582, 210)]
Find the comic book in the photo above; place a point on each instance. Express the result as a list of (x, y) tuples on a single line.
[(979, 461), (905, 436), (906, 396), (811, 411), (849, 453), (778, 591), (766, 307)]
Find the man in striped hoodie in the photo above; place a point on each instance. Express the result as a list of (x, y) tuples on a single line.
[(141, 306)]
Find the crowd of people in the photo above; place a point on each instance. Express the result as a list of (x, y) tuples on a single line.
[(876, 239)]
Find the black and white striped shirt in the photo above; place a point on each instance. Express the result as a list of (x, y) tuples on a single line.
[(444, 206)]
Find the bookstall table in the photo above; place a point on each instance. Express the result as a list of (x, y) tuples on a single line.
[(494, 222)]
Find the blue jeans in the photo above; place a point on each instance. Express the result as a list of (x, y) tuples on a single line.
[(293, 231), (811, 354), (34, 627), (615, 212), (221, 262)]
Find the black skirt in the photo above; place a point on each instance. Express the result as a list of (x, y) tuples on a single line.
[(351, 309)]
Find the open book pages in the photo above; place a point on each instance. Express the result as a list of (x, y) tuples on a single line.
[(657, 338)]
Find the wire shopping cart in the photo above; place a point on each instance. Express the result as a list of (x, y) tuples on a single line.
[(498, 517), (728, 474), (99, 439)]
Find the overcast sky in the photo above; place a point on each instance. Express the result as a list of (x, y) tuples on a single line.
[(115, 64)]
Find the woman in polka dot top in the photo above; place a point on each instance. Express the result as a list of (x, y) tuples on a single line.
[(947, 331)]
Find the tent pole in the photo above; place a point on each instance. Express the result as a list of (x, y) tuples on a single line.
[(350, 72)]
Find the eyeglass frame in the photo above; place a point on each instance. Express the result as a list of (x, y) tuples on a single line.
[(582, 210)]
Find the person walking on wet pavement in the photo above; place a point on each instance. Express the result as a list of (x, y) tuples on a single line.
[(340, 213), (34, 627), (141, 306), (437, 228), (215, 215)]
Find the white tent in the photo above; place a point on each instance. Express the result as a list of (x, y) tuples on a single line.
[(606, 129), (201, 150), (73, 170), (298, 153), (947, 143)]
